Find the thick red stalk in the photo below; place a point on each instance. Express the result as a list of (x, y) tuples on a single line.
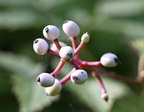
[(94, 63), (102, 87), (81, 45), (67, 77), (56, 42), (59, 67), (53, 53), (136, 80), (74, 42)]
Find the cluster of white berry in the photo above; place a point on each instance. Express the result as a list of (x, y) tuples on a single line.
[(78, 75)]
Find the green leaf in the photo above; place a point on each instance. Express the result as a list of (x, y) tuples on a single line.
[(120, 7), (16, 19), (129, 103), (138, 45), (30, 95), (45, 5), (89, 93), (130, 28), (19, 64), (8, 3)]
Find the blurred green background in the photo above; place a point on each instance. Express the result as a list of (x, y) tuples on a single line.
[(114, 25)]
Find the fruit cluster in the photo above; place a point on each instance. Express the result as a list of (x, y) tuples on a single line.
[(78, 74)]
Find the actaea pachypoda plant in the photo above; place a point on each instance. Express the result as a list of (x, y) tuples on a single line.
[(78, 74)]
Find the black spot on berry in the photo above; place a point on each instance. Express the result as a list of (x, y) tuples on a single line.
[(47, 30), (117, 60), (75, 78), (66, 21), (36, 41), (70, 54), (38, 79)]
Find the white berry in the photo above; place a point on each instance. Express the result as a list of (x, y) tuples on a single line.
[(51, 32), (79, 76), (54, 48), (55, 89), (71, 28), (66, 52), (40, 46), (45, 80), (109, 60)]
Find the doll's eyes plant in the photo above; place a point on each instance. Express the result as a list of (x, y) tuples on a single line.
[(78, 74)]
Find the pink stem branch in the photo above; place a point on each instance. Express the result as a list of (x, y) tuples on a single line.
[(59, 67), (74, 42), (103, 90), (95, 63), (67, 77), (104, 94), (53, 53), (136, 80), (81, 45), (56, 42), (75, 62)]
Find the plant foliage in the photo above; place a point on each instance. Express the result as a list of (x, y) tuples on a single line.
[(114, 26)]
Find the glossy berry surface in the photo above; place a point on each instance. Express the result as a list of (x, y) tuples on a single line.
[(51, 32), (71, 28), (40, 46), (45, 80), (109, 60), (79, 76), (66, 52)]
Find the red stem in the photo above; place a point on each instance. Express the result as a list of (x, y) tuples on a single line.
[(67, 77), (76, 62), (74, 42), (102, 87), (53, 53), (59, 67), (56, 42), (81, 45), (94, 63), (118, 76)]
